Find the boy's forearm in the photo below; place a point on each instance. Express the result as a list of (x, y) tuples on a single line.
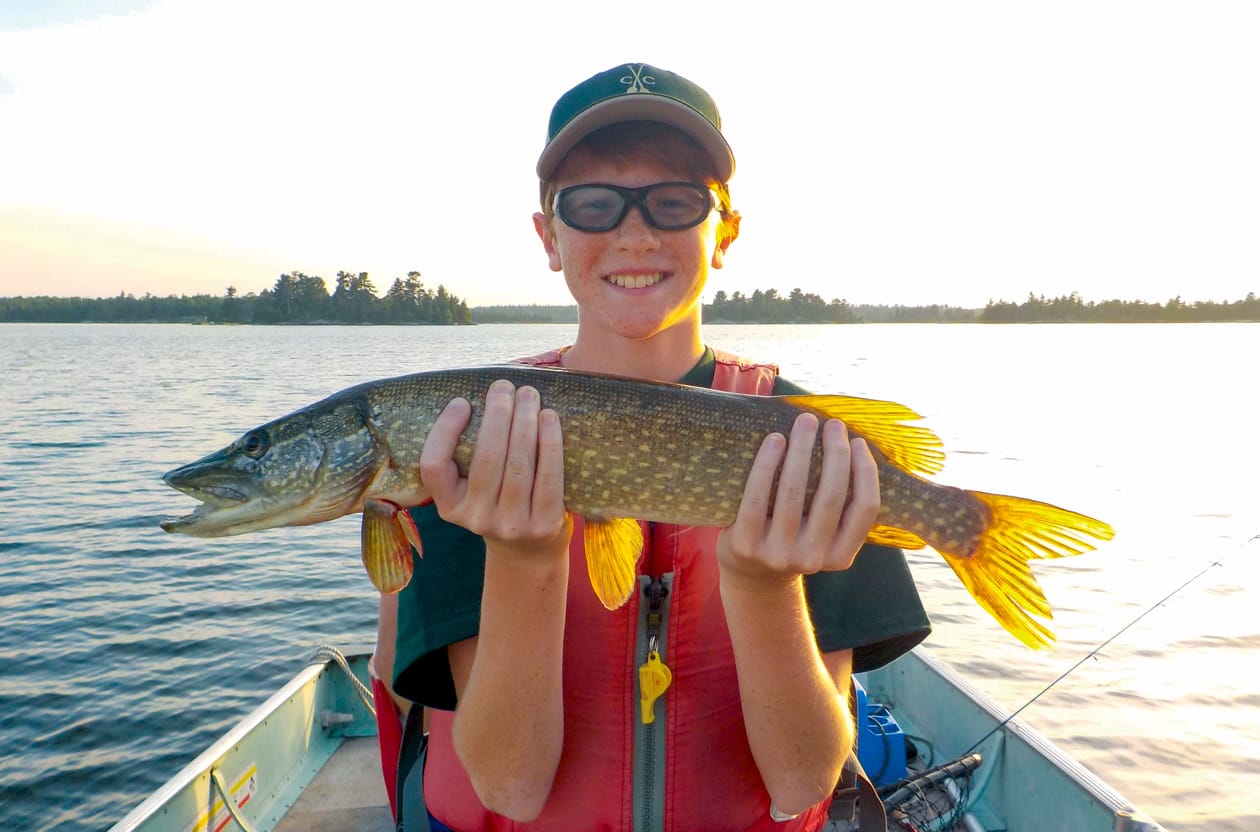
[(798, 722), (509, 726)]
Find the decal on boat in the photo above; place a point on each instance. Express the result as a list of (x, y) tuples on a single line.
[(216, 818)]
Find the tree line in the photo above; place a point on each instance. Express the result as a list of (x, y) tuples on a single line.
[(301, 298), (798, 307), (1073, 309), (296, 298), (768, 307)]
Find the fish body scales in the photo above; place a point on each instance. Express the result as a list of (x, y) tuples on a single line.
[(667, 453), (946, 518)]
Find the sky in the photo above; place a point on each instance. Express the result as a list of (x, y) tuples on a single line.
[(913, 153)]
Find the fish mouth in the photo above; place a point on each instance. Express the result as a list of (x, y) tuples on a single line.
[(199, 523), (209, 480), (215, 495), (230, 502), (221, 518), (234, 500)]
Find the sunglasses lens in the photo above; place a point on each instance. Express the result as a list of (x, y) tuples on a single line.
[(590, 207), (669, 206), (675, 206)]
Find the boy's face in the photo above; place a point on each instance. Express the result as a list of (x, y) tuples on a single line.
[(634, 280)]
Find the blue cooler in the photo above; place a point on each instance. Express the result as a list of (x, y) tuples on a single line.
[(881, 745)]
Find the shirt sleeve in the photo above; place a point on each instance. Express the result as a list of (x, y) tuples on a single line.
[(439, 607), (873, 607)]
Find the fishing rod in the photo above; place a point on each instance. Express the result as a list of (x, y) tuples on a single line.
[(1099, 648)]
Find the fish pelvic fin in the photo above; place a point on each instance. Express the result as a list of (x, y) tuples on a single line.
[(912, 448), (998, 572), (389, 534), (612, 550)]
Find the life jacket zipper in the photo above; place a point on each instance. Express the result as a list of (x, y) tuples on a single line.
[(649, 746)]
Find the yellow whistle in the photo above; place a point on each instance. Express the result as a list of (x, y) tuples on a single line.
[(654, 679)]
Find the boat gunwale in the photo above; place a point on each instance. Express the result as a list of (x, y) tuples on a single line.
[(1128, 817), (207, 759)]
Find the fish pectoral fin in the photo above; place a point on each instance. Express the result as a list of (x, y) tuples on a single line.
[(389, 533), (888, 536), (612, 550), (408, 525), (911, 447), (998, 573)]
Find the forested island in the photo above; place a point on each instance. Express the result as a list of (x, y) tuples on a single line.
[(298, 298)]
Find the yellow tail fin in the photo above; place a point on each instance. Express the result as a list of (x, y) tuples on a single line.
[(997, 573)]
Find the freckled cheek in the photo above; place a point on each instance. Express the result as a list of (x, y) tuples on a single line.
[(579, 264)]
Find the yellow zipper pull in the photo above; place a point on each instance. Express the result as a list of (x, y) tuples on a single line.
[(654, 679)]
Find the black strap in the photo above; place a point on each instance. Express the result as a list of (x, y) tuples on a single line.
[(412, 814), (857, 802)]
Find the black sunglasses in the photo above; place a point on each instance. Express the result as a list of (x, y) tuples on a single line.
[(666, 206)]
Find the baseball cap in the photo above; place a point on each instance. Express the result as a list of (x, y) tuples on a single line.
[(635, 92)]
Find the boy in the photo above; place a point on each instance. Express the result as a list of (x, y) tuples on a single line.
[(535, 692)]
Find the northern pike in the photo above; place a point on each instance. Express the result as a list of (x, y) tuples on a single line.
[(633, 450)]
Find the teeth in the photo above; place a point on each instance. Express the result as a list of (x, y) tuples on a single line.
[(635, 281)]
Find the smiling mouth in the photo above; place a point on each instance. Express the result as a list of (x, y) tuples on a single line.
[(635, 281)]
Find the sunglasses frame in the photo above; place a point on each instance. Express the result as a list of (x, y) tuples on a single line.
[(631, 197)]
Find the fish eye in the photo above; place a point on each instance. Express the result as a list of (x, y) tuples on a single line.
[(255, 444)]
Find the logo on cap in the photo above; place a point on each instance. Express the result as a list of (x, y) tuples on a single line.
[(636, 81)]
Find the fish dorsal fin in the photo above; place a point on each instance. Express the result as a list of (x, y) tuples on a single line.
[(613, 546), (910, 447), (888, 536)]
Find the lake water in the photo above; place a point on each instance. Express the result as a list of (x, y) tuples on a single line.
[(124, 651)]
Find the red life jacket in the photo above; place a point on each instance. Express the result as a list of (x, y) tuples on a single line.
[(693, 769)]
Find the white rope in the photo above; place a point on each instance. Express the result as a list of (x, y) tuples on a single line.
[(325, 653), (229, 802)]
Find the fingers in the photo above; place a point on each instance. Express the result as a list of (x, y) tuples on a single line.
[(516, 472), (800, 533), (549, 478), (486, 470), (438, 471), (514, 486), (846, 503), (789, 501), (754, 506)]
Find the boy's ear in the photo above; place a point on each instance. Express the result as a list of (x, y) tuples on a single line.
[(732, 227), (728, 231), (542, 227)]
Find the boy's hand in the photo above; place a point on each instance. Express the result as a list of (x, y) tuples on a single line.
[(764, 549), (513, 495)]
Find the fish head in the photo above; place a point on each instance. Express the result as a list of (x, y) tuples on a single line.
[(308, 467)]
